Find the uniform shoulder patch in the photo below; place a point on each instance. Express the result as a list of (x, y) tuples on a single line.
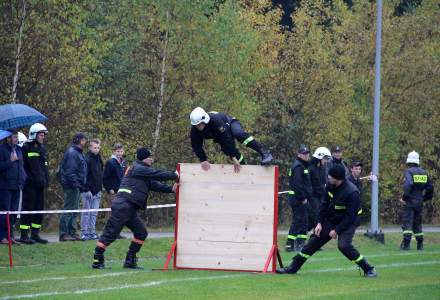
[(222, 129)]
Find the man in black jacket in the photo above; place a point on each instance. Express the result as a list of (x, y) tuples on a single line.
[(35, 165), (114, 170), (131, 197), (337, 219), (299, 194), (224, 129), (73, 174), (12, 178), (91, 198)]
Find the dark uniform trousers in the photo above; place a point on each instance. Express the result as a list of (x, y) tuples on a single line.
[(345, 240), (33, 200), (244, 138), (313, 211), (123, 214), (412, 221), (300, 216)]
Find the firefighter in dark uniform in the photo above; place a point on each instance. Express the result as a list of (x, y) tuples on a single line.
[(318, 177), (336, 159), (417, 188), (337, 219), (131, 197), (299, 194), (35, 165), (224, 129)]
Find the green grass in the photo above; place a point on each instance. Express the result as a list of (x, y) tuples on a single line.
[(65, 268)]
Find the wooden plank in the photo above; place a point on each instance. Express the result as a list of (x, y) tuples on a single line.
[(226, 219), (222, 255)]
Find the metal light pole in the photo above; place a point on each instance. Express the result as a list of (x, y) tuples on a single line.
[(375, 232)]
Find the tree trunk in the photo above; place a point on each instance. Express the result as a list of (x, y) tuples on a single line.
[(162, 90), (18, 55)]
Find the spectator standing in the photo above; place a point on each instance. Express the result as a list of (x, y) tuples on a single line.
[(92, 197), (114, 170), (73, 173)]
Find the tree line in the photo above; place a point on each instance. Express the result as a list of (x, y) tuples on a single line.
[(131, 71)]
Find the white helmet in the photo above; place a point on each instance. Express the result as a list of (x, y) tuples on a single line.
[(413, 158), (36, 128), (21, 139), (321, 153), (199, 115)]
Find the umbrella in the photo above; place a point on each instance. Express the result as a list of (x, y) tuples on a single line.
[(18, 115), (4, 134)]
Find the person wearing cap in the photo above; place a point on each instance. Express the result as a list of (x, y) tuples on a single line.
[(224, 130), (35, 165), (336, 220), (12, 179), (132, 196), (300, 192), (336, 159), (417, 188), (318, 178), (73, 176)]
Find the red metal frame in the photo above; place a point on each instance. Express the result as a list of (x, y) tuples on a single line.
[(173, 249), (8, 222), (273, 253)]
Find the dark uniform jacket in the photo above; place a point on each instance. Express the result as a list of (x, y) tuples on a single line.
[(335, 161), (219, 129), (417, 186), (357, 182), (299, 181), (35, 164), (318, 177), (12, 174), (140, 179), (94, 172), (113, 173), (73, 171), (340, 206)]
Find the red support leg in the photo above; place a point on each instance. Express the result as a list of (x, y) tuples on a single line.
[(271, 255), (8, 222), (170, 255)]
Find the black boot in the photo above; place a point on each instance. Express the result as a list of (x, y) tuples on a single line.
[(367, 268), (420, 244), (98, 261), (294, 266), (35, 235), (299, 244), (290, 245), (131, 261), (24, 238), (405, 245), (266, 157)]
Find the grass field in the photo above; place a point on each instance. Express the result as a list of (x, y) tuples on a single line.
[(62, 271)]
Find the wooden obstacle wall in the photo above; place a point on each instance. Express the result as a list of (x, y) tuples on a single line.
[(226, 220)]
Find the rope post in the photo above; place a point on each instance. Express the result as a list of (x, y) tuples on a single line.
[(8, 222)]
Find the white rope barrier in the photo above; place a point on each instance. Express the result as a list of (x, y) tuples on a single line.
[(61, 211), (29, 212)]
